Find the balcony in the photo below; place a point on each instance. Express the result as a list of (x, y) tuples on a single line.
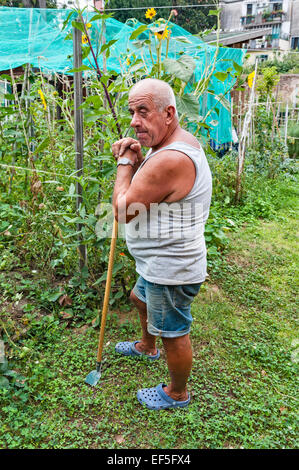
[(263, 19)]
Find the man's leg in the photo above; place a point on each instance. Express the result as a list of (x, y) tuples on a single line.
[(179, 360), (148, 342)]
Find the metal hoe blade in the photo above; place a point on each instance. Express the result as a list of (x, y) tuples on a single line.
[(94, 376)]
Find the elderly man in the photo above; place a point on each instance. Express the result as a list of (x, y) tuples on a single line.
[(167, 245)]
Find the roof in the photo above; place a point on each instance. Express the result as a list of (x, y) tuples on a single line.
[(233, 37)]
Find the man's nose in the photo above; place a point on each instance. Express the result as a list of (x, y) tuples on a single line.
[(134, 121)]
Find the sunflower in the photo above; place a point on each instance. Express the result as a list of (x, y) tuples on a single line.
[(150, 13), (84, 39), (163, 34), (42, 97)]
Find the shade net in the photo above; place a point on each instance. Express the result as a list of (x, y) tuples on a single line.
[(37, 37)]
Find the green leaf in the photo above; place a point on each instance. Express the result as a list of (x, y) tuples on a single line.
[(117, 267), (96, 101), (118, 295), (4, 366), (237, 67), (222, 76), (44, 144), (212, 250), (4, 382), (214, 12), (182, 39), (107, 45), (78, 25), (96, 322), (10, 373), (188, 104), (67, 20), (80, 69), (223, 101), (101, 279), (138, 31), (101, 16), (53, 297), (139, 44), (72, 189), (85, 52), (182, 68), (136, 67), (4, 76), (204, 125)]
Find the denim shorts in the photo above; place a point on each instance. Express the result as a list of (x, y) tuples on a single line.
[(168, 307)]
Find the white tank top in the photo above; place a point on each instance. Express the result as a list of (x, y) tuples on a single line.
[(167, 241)]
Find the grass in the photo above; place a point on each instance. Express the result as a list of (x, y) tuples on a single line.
[(243, 383)]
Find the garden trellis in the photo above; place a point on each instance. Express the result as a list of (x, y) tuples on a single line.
[(38, 37)]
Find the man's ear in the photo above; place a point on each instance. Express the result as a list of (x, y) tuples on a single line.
[(171, 111)]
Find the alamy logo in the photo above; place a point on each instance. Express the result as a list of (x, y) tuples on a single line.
[(162, 220)]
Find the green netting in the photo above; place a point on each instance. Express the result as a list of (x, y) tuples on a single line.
[(36, 36)]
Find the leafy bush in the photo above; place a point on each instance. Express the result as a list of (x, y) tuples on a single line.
[(288, 63), (284, 63), (293, 140), (10, 378)]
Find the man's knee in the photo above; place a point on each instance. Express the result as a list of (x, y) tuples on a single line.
[(133, 297), (137, 302), (178, 343)]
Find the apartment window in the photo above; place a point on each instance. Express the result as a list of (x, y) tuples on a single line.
[(295, 43), (277, 6), (249, 9), (263, 57)]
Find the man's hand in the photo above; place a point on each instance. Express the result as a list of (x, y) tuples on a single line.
[(119, 148), (131, 155)]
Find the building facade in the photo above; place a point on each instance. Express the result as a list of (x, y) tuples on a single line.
[(279, 17)]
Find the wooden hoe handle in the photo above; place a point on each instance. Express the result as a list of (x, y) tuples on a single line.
[(107, 289)]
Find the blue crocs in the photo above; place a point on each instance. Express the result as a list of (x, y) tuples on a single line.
[(127, 348), (156, 399)]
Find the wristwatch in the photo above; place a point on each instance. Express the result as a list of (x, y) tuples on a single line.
[(124, 161)]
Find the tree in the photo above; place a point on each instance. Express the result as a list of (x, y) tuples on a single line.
[(193, 20), (29, 3)]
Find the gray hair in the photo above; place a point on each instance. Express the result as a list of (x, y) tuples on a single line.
[(161, 92)]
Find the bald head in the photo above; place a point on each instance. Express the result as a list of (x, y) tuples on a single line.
[(160, 91)]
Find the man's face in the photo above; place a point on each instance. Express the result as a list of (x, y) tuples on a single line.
[(150, 125)]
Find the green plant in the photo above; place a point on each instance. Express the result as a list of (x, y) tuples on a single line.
[(293, 141), (10, 379), (268, 81), (41, 228)]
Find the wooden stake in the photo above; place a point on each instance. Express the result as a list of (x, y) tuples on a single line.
[(286, 124), (78, 99)]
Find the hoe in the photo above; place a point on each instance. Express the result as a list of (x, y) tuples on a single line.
[(94, 376)]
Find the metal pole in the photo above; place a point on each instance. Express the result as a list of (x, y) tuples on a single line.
[(78, 114), (286, 124)]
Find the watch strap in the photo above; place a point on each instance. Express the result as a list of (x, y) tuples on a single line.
[(124, 161)]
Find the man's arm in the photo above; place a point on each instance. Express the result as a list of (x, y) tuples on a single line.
[(124, 176), (168, 176)]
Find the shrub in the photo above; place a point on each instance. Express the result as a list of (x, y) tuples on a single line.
[(293, 140)]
